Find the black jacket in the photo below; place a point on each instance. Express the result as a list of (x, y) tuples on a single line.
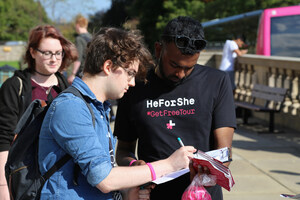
[(13, 105)]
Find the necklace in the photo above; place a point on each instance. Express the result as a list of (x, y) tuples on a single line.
[(42, 73), (46, 89)]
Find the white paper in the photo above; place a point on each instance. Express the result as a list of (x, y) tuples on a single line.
[(171, 176), (220, 154)]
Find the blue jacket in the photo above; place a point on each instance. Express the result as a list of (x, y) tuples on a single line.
[(68, 128)]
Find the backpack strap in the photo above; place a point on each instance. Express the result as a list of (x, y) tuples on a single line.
[(56, 166), (77, 93), (67, 157), (21, 85), (50, 98)]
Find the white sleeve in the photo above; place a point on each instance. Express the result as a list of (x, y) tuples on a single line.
[(233, 46)]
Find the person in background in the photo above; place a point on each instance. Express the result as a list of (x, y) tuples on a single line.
[(231, 50), (114, 58), (47, 54), (81, 41), (180, 99)]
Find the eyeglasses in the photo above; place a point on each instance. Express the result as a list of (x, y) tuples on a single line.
[(48, 54), (131, 74), (182, 41)]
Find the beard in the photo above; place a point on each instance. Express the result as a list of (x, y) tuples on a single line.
[(166, 79)]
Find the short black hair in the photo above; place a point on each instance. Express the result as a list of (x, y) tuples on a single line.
[(240, 36), (184, 26)]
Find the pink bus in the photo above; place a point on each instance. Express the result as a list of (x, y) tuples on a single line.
[(279, 32)]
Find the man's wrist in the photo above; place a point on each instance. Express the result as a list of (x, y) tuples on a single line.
[(131, 162), (124, 193)]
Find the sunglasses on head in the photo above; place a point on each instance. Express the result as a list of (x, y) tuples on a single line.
[(182, 41)]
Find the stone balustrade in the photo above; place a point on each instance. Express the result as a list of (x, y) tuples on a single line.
[(273, 71)]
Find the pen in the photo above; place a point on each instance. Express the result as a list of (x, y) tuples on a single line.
[(180, 142)]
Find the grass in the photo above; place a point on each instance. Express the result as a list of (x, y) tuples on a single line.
[(14, 64)]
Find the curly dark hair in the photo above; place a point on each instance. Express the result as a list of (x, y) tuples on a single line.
[(120, 46), (184, 26)]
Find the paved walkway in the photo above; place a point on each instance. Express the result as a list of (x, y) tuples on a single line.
[(265, 165)]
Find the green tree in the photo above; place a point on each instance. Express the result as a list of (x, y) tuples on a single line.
[(116, 16), (18, 17), (147, 13), (152, 15), (96, 21), (175, 8)]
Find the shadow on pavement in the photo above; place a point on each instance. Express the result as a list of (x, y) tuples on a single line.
[(286, 141)]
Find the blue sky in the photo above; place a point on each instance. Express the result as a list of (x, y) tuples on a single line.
[(69, 9)]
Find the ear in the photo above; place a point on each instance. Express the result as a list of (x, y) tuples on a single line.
[(158, 48), (32, 52), (107, 67)]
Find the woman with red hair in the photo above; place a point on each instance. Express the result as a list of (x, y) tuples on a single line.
[(47, 54)]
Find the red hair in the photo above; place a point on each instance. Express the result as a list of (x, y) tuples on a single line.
[(48, 31)]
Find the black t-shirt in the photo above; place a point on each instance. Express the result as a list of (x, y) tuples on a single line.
[(157, 113)]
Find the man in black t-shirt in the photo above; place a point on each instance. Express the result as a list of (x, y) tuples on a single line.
[(180, 99)]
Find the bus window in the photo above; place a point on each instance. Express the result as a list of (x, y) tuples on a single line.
[(279, 32), (285, 36)]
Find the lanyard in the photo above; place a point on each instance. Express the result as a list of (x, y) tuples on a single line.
[(111, 150)]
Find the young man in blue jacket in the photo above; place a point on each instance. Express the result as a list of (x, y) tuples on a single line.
[(114, 58)]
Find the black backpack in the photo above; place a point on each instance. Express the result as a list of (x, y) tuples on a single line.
[(22, 170)]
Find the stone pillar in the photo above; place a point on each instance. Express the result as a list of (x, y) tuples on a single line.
[(238, 82), (242, 91), (248, 80), (287, 84), (271, 77), (295, 94), (279, 83), (271, 83)]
